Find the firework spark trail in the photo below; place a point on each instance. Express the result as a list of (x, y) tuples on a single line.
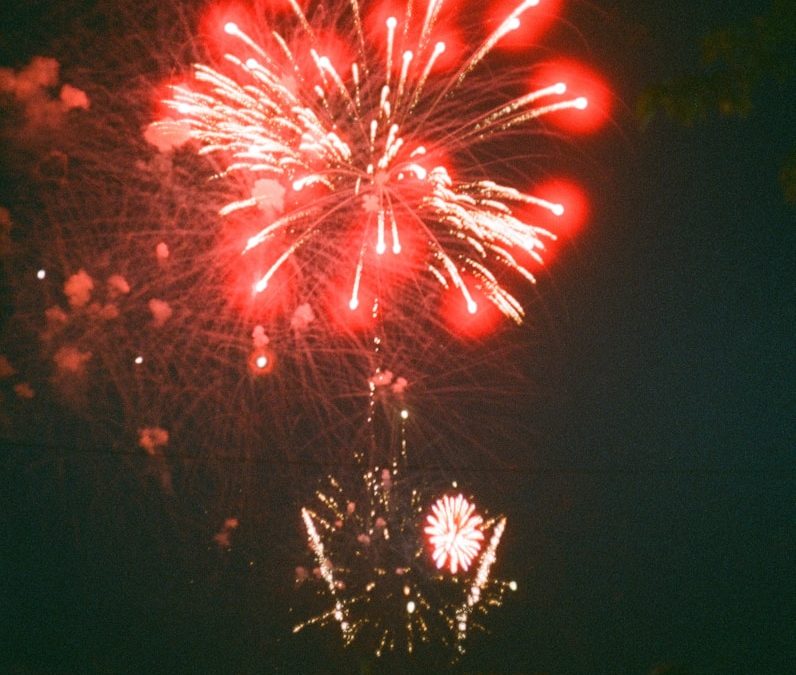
[(325, 566), (365, 140), (479, 583)]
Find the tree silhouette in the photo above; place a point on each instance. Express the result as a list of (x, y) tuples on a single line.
[(737, 61)]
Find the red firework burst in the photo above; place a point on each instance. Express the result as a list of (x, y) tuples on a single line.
[(363, 137)]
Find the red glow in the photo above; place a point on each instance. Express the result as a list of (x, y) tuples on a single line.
[(375, 22), (395, 267), (373, 219), (212, 26), (216, 19), (435, 155), (382, 274), (339, 52), (571, 197), (375, 26), (580, 81), (261, 361), (162, 93), (348, 319), (461, 321), (454, 47), (567, 225), (534, 22), (282, 6), (308, 195), (242, 271)]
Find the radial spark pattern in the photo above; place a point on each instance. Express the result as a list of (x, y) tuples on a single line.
[(364, 162), (454, 532)]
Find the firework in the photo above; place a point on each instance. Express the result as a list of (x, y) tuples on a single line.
[(370, 562), (480, 583), (454, 532), (353, 162), (360, 175), (364, 550), (141, 301)]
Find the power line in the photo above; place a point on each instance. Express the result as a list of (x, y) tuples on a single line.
[(67, 450)]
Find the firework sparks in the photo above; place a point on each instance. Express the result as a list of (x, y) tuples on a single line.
[(454, 532), (357, 154), (480, 582), (371, 563), (380, 595)]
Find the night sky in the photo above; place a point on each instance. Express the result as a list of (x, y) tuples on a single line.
[(647, 474)]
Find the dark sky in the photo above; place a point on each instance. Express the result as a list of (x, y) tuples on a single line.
[(651, 523)]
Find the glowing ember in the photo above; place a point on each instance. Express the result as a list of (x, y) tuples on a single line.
[(261, 361), (454, 532)]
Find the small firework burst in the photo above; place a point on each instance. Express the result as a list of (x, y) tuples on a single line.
[(454, 532)]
